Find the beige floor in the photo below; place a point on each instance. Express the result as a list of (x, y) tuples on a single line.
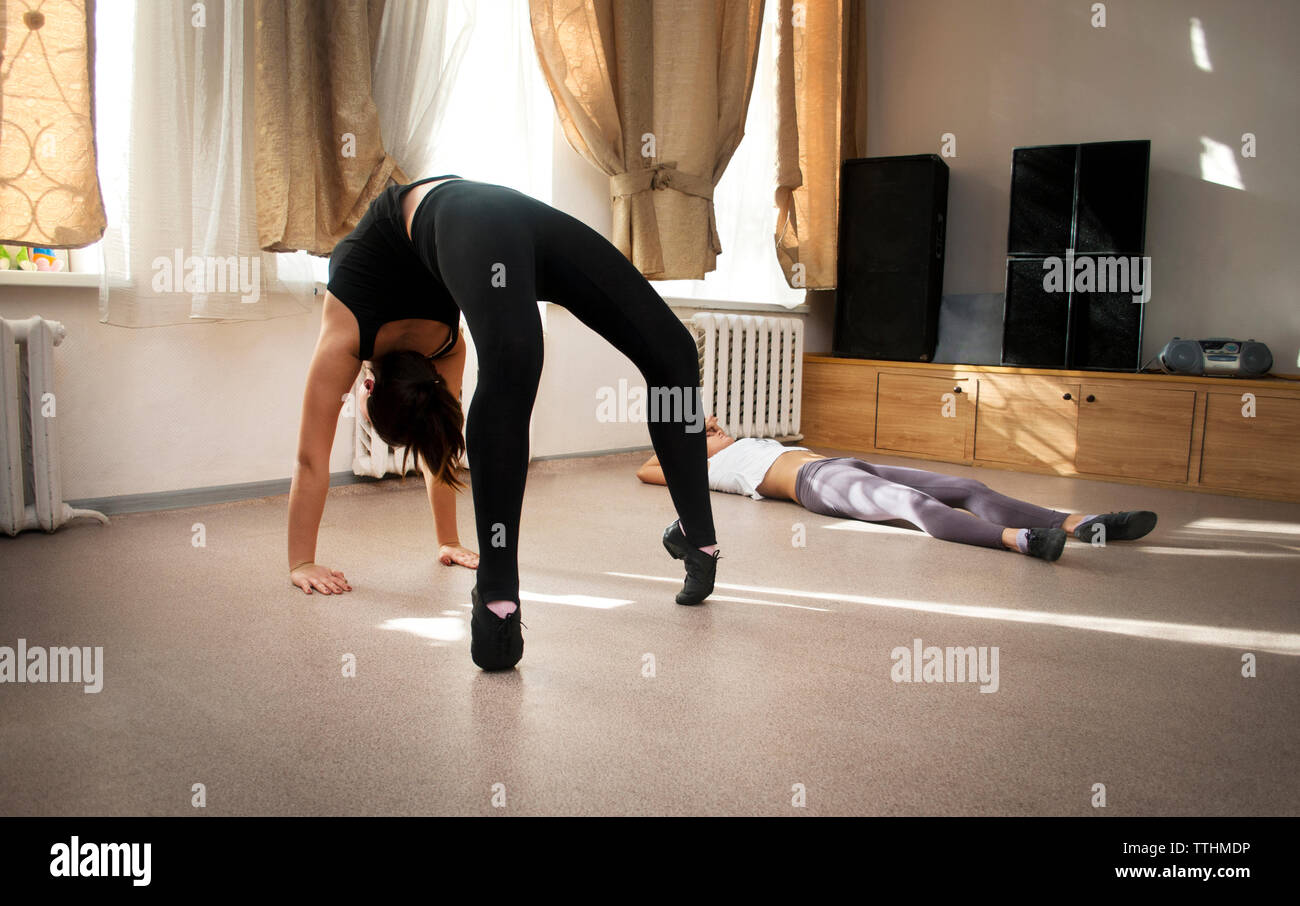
[(1117, 666)]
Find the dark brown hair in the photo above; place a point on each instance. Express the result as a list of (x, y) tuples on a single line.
[(410, 406)]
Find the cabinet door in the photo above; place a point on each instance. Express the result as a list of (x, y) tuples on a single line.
[(922, 414), (1256, 453), (1027, 420), (1135, 432), (839, 405)]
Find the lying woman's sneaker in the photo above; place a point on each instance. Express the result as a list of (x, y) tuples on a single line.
[(1127, 526), (701, 568), (495, 644), (1046, 543)]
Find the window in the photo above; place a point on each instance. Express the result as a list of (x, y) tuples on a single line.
[(747, 269), (499, 128)]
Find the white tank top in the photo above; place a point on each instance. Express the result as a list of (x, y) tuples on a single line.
[(741, 467)]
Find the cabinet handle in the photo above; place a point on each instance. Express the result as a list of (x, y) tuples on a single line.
[(956, 390), (1091, 398), (1066, 397)]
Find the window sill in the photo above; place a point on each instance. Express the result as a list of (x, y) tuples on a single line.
[(726, 305), (51, 279), (703, 305)]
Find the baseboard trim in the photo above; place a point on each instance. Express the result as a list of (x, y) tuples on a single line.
[(586, 454), (230, 493), (190, 497)]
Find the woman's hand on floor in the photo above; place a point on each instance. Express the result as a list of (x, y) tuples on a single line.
[(452, 554), (321, 578)]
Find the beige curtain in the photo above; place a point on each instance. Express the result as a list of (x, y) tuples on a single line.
[(654, 94), (821, 81), (320, 158), (49, 181)]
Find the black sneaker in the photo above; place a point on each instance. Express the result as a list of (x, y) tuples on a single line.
[(1126, 526), (1046, 543), (701, 568), (495, 644)]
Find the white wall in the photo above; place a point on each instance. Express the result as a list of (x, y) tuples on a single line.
[(170, 408), (1003, 73)]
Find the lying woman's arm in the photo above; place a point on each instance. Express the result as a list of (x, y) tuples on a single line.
[(652, 472)]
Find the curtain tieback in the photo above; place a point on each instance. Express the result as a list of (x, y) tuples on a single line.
[(661, 176), (665, 176)]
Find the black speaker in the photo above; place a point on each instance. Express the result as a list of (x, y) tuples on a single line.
[(1042, 200), (1090, 198), (1036, 323), (1110, 211), (1068, 328), (1106, 330), (890, 268)]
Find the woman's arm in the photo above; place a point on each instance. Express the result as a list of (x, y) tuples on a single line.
[(652, 472), (442, 498), (330, 376)]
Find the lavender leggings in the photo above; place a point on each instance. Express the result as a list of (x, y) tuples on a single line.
[(852, 489)]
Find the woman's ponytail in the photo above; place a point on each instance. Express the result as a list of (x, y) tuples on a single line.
[(412, 407)]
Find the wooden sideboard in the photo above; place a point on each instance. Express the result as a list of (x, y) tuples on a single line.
[(1218, 435)]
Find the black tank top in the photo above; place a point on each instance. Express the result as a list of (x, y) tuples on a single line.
[(376, 273)]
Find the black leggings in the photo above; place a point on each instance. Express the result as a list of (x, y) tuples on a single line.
[(498, 251)]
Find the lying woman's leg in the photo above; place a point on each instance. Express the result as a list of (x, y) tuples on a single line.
[(849, 489), (973, 495)]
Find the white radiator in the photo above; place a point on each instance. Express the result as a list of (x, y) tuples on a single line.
[(32, 494), (370, 455), (751, 371)]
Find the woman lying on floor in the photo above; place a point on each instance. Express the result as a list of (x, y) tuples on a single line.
[(852, 489)]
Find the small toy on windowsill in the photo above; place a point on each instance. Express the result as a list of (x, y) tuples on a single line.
[(39, 259), (46, 260), (11, 261)]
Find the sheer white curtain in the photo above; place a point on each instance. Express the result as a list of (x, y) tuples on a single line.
[(459, 91), (466, 86), (415, 68), (744, 203), (175, 131)]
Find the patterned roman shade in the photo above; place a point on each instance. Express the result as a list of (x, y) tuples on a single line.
[(49, 184)]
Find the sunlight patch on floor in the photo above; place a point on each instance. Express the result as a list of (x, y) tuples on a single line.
[(1215, 552), (736, 600), (591, 601), (1190, 633), (1245, 525), (441, 629)]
